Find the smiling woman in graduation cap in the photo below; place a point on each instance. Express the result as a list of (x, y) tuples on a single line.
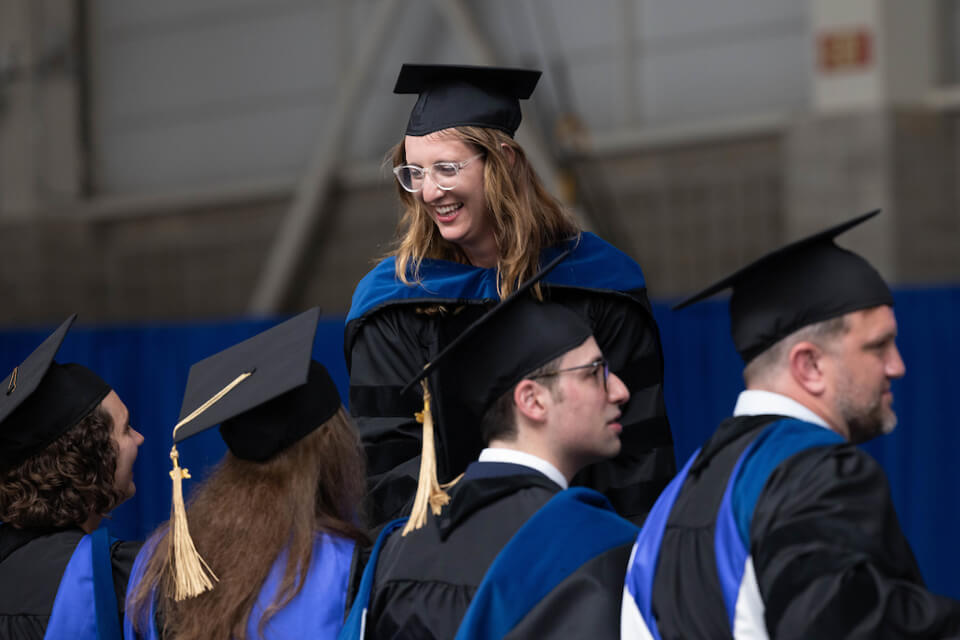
[(267, 545), (476, 221), (66, 459)]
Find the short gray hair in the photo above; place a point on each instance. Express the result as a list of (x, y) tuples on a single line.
[(769, 361)]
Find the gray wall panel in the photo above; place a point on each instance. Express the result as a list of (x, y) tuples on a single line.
[(208, 92), (743, 76), (210, 151), (658, 20)]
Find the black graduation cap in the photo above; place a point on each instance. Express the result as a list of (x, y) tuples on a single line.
[(805, 282), (266, 392), (456, 95), (496, 351), (499, 348), (41, 399)]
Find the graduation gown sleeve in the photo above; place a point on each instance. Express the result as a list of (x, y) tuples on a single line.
[(831, 558), (390, 352)]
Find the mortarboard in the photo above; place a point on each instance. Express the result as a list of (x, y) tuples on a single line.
[(285, 396), (492, 354), (802, 283), (266, 393), (516, 337), (455, 95), (41, 399)]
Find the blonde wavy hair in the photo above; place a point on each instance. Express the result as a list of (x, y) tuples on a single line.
[(526, 219)]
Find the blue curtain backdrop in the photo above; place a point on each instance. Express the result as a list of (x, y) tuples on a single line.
[(148, 365)]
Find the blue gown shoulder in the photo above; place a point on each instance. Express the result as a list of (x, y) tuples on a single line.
[(594, 264)]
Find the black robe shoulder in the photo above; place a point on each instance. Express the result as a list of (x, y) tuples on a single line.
[(424, 581), (828, 554), (31, 566)]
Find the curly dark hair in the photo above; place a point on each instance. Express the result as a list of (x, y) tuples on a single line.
[(66, 483)]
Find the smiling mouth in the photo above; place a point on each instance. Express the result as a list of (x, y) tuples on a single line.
[(448, 212)]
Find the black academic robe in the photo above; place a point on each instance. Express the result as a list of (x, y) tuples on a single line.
[(830, 558), (424, 582), (393, 330), (31, 566)]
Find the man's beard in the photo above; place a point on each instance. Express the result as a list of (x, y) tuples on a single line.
[(865, 422)]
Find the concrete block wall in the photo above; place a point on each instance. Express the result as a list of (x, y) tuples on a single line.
[(359, 230), (688, 214), (924, 183), (192, 263), (173, 266), (903, 161)]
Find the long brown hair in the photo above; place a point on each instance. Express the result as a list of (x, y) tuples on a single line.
[(526, 218), (243, 517)]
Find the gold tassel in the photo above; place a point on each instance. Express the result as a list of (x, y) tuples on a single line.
[(190, 571), (429, 491)]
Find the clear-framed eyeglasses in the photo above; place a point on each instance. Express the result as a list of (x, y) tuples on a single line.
[(446, 175), (596, 365)]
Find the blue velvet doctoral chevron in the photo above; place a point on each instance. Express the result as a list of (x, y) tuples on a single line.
[(638, 584), (575, 526), (105, 598), (593, 264), (777, 442), (74, 613)]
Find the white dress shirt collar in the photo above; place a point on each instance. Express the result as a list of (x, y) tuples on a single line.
[(513, 456), (754, 402)]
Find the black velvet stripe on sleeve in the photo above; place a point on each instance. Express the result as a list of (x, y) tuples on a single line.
[(830, 556), (390, 494), (384, 400), (633, 480), (385, 349)]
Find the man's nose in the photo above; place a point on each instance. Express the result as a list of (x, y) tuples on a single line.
[(617, 391), (895, 366)]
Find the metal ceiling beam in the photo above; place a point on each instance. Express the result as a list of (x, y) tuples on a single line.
[(293, 239)]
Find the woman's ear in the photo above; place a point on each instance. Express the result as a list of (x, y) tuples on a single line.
[(508, 153)]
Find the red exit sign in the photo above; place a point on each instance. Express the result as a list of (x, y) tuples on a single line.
[(848, 50)]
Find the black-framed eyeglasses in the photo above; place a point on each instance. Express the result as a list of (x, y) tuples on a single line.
[(445, 175), (600, 364)]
